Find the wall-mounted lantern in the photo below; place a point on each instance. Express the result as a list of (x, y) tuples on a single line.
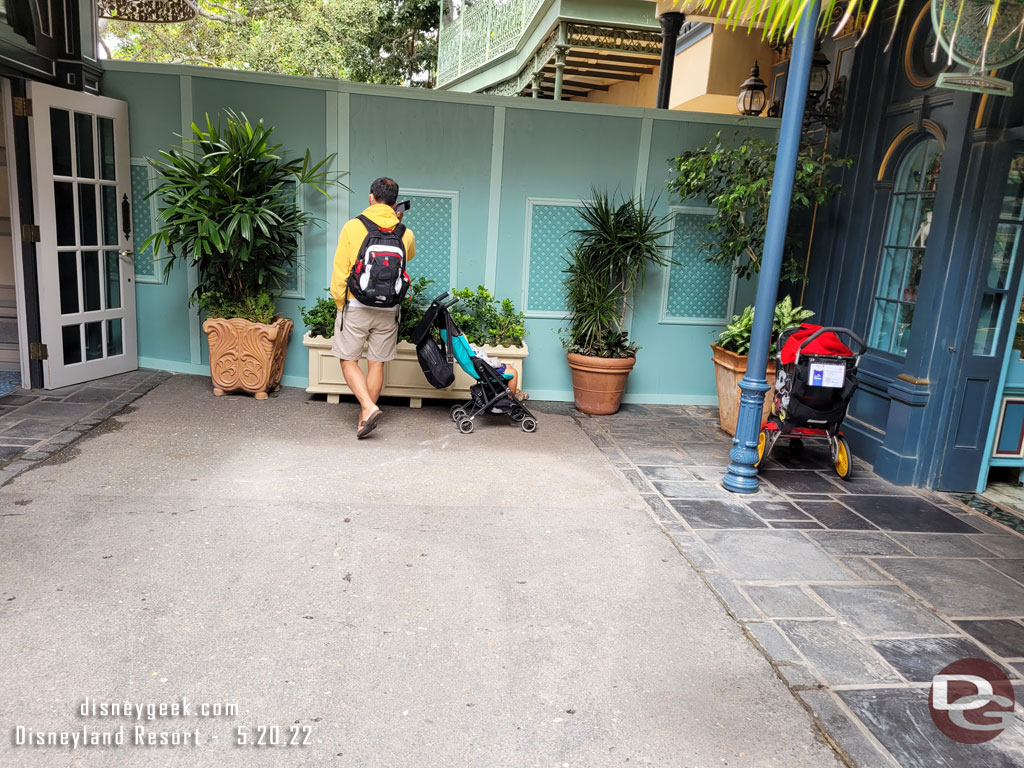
[(752, 98)]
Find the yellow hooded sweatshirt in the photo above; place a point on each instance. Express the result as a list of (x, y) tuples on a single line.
[(352, 236)]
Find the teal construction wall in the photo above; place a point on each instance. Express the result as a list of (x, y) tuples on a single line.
[(494, 184)]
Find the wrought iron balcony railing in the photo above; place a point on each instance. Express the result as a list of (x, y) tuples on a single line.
[(482, 31)]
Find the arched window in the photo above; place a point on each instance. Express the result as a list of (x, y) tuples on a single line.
[(903, 247)]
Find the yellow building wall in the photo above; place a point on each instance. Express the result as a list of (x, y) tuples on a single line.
[(628, 94)]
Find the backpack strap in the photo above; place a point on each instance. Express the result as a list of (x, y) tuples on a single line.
[(370, 226), (400, 230)]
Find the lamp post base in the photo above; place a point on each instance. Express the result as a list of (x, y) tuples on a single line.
[(741, 476)]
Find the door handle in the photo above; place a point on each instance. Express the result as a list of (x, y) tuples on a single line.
[(126, 254), (126, 216)]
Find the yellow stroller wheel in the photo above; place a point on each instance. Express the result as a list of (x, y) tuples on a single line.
[(842, 460)]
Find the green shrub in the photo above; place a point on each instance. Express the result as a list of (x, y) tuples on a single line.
[(736, 336), (320, 319), (485, 321)]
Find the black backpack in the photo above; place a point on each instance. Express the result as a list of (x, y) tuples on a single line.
[(378, 278), (435, 358)]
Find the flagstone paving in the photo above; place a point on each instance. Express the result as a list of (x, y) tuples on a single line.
[(36, 423), (857, 592)]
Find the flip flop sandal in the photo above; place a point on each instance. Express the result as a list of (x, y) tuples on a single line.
[(370, 424)]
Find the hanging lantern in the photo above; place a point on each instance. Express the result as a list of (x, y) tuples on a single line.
[(147, 11), (818, 82), (751, 99)]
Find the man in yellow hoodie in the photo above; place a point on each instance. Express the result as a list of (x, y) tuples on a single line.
[(358, 324)]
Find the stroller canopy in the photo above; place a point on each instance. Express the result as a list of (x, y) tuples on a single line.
[(826, 344)]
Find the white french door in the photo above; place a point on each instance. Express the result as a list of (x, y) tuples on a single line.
[(85, 254)]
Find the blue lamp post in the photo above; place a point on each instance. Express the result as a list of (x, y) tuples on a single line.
[(741, 477)]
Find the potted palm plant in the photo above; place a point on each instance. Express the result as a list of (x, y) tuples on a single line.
[(607, 264), (229, 208)]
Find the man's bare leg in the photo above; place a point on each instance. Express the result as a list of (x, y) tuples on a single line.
[(358, 384), (375, 380)]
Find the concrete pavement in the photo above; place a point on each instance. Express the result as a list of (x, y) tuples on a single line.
[(421, 598)]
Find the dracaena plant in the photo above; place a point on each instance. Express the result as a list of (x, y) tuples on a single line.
[(606, 267), (228, 206)]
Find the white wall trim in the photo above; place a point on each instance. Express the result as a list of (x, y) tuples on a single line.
[(494, 198), (663, 317), (195, 328)]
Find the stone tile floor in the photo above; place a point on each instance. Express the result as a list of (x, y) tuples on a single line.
[(857, 592), (37, 423)]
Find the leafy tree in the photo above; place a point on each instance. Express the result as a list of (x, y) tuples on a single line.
[(379, 41)]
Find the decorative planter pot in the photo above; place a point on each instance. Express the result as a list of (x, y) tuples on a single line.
[(729, 369), (247, 357), (402, 376), (598, 382)]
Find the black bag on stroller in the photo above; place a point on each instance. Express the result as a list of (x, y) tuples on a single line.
[(435, 358)]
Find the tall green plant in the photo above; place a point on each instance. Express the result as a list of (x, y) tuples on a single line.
[(737, 183), (607, 264), (229, 207)]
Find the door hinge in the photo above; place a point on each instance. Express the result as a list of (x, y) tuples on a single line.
[(22, 107), (37, 352), (30, 233)]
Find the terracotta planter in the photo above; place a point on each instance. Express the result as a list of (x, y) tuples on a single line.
[(729, 369), (598, 382), (402, 376), (247, 357)]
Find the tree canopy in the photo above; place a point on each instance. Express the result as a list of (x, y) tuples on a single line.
[(389, 42)]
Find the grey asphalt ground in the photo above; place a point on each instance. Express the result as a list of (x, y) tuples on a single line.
[(421, 598)]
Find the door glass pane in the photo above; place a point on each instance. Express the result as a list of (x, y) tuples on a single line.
[(91, 281), (67, 277), (883, 322), (71, 335), (64, 211), (106, 130), (904, 244), (988, 323), (115, 345), (94, 340), (1003, 249), (113, 285), (87, 213), (109, 206), (903, 224), (84, 146), (903, 323), (60, 141)]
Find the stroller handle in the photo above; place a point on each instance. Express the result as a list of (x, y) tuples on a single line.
[(817, 333), (440, 300)]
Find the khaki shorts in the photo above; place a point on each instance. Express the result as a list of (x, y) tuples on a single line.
[(376, 328)]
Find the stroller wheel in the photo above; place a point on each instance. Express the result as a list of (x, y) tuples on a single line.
[(517, 414), (763, 447), (796, 447), (466, 426), (529, 424), (457, 412), (843, 461)]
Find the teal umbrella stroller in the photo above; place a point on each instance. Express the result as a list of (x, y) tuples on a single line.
[(440, 344)]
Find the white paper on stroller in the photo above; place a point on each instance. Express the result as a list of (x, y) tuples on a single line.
[(827, 374)]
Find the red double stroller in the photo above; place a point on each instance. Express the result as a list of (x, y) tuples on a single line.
[(815, 381)]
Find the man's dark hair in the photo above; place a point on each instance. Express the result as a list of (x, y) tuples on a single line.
[(385, 190)]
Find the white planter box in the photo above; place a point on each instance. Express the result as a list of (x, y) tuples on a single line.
[(402, 376)]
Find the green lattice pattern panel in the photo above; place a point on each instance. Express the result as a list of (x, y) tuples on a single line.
[(430, 219), (142, 222), (696, 288), (551, 228)]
